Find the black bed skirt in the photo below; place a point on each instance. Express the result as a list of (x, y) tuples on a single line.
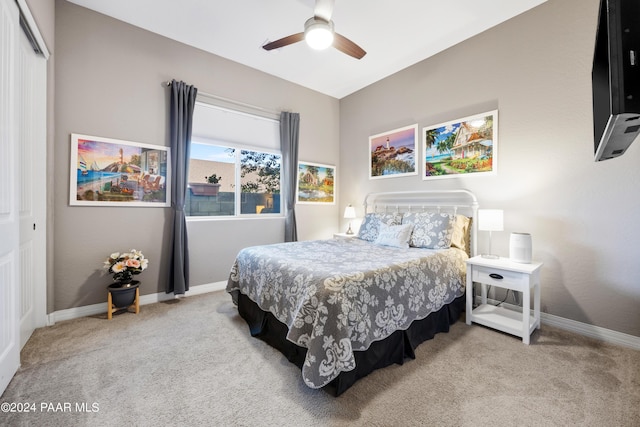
[(397, 347)]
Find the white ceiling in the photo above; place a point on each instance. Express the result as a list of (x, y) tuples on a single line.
[(395, 33)]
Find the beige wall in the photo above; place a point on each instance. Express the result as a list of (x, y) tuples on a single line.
[(108, 82), (536, 70)]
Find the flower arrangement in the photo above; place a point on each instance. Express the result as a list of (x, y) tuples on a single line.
[(124, 265)]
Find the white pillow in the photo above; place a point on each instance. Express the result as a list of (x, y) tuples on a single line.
[(394, 235)]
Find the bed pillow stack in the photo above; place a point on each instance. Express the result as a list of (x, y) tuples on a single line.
[(430, 230)]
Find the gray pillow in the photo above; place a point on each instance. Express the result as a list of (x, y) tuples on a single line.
[(369, 228), (430, 230)]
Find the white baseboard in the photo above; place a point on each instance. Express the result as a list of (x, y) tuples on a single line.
[(580, 328), (606, 335), (92, 310), (602, 334)]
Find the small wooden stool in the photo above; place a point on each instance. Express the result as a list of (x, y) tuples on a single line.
[(135, 305)]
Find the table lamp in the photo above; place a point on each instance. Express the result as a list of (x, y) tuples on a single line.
[(490, 220), (349, 213)]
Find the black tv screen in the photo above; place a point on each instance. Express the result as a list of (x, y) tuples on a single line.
[(616, 78)]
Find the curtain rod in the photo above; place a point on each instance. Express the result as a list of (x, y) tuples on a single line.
[(235, 105)]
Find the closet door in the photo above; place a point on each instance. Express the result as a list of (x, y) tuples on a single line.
[(9, 198)]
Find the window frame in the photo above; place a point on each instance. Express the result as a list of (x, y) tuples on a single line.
[(239, 147)]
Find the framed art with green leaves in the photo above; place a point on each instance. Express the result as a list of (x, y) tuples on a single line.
[(316, 183), (461, 147)]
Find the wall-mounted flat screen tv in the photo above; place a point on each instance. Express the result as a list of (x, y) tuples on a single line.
[(616, 78)]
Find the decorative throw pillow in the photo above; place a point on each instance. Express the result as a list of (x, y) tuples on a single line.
[(430, 230), (369, 228), (461, 236), (394, 235)]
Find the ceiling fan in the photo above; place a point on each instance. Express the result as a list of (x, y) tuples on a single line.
[(319, 33)]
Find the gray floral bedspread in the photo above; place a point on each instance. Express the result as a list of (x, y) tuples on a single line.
[(338, 296)]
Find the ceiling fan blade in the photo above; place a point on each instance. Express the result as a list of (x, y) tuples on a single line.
[(324, 9), (285, 41), (345, 45)]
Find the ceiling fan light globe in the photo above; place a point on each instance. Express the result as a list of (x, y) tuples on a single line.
[(318, 34)]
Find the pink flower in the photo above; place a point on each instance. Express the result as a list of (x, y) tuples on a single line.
[(123, 266), (133, 263)]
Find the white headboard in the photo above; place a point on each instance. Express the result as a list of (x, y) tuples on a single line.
[(461, 201)]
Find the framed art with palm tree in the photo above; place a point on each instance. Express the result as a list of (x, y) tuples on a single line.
[(466, 146)]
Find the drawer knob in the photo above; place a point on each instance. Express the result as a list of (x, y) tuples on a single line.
[(496, 276)]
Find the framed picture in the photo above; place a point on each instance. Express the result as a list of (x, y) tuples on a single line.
[(465, 146), (393, 154), (111, 172), (316, 183)]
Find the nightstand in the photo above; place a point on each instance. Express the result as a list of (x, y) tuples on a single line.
[(505, 274), (344, 235)]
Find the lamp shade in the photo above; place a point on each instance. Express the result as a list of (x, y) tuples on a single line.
[(491, 219), (349, 212)]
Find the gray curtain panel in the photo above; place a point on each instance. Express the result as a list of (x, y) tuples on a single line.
[(183, 99), (289, 131)]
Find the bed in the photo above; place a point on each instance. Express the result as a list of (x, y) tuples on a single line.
[(341, 308)]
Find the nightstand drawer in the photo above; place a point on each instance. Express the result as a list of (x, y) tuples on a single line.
[(498, 277)]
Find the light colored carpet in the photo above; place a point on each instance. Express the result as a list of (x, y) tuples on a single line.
[(192, 362)]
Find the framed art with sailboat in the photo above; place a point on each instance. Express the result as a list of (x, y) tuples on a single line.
[(112, 172)]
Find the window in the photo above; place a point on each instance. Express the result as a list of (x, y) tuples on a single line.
[(248, 181), (260, 182), (240, 148)]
